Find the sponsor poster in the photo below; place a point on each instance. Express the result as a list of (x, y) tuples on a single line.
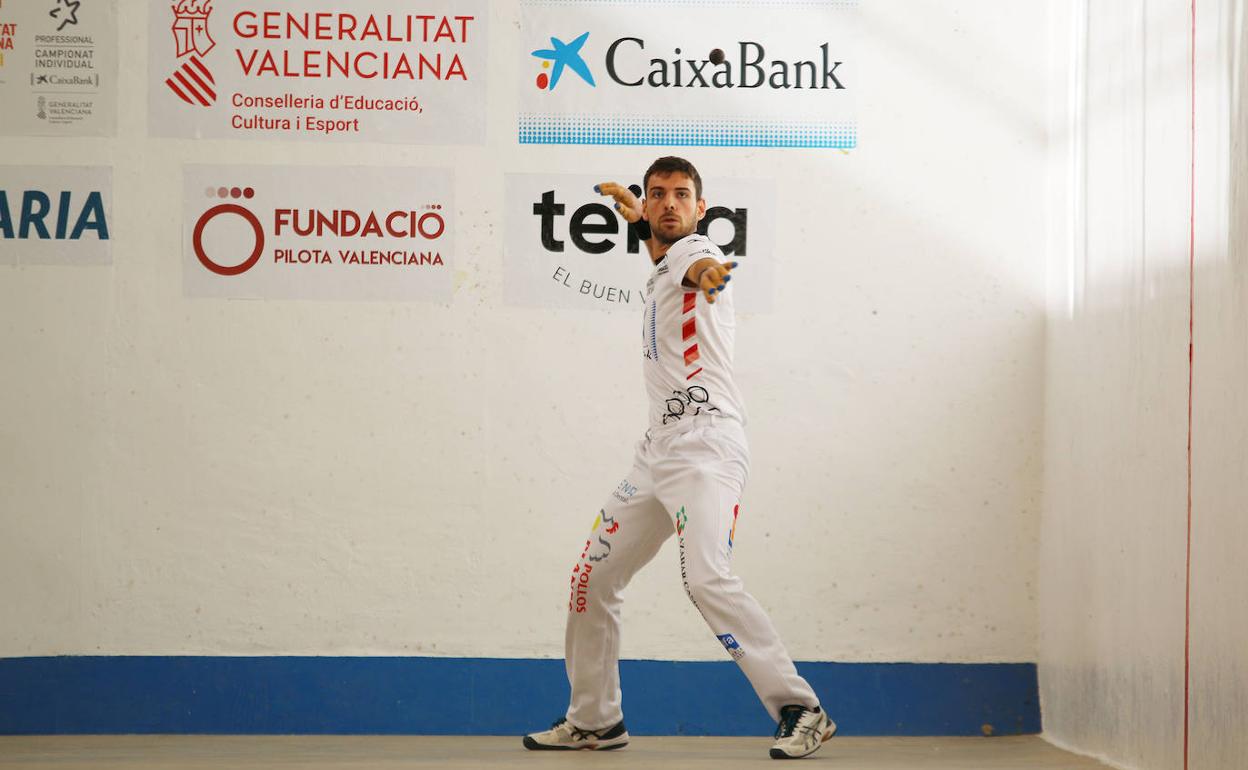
[(769, 73), (566, 247), (58, 67), (56, 215), (326, 233), (321, 70)]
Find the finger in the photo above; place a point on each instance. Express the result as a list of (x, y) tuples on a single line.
[(622, 195), (715, 284), (625, 196), (611, 188), (626, 202)]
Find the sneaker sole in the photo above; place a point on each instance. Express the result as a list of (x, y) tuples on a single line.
[(780, 754), (533, 745)]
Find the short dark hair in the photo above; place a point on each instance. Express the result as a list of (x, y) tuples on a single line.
[(670, 165)]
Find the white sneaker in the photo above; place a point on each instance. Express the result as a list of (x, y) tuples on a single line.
[(801, 732), (564, 736)]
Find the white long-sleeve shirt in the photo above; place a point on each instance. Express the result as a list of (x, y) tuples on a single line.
[(688, 342)]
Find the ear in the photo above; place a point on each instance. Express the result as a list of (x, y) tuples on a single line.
[(701, 208), (645, 216)]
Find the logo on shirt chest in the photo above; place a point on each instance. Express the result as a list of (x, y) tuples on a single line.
[(688, 403)]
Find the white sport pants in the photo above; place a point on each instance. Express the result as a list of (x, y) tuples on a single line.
[(688, 482)]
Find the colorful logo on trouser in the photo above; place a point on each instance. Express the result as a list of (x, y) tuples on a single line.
[(613, 526), (731, 645), (625, 491), (681, 521), (578, 600), (733, 532)]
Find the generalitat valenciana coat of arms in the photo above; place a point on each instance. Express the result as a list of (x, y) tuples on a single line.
[(192, 82)]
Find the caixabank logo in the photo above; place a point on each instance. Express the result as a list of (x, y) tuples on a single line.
[(627, 63), (308, 232), (714, 73), (559, 56)]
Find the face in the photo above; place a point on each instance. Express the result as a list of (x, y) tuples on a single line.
[(672, 206)]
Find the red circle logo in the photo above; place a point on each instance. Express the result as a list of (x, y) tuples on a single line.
[(208, 216)]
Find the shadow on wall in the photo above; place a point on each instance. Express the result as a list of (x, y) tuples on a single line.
[(1116, 638)]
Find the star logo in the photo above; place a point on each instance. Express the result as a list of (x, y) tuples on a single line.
[(66, 18), (562, 55)]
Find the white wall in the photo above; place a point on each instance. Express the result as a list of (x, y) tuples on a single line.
[(1219, 615), (226, 477), (1114, 535)]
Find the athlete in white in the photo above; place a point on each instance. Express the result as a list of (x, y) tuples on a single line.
[(688, 476)]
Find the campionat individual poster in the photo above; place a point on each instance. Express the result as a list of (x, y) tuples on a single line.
[(58, 67), (320, 70), (318, 232), (723, 73), (566, 247)]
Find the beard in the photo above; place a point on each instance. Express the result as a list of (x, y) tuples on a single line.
[(668, 240)]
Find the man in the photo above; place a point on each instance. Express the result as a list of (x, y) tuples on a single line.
[(688, 476)]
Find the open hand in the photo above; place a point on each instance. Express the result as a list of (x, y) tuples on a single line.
[(628, 204), (712, 277)]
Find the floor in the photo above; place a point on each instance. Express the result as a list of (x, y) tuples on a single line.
[(370, 752)]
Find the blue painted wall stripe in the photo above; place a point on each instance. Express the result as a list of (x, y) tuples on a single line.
[(485, 696)]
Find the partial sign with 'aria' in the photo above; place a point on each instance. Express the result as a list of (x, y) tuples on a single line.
[(56, 215)]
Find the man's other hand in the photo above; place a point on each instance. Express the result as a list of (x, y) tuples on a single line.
[(626, 202)]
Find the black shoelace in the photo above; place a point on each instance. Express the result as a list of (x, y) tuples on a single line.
[(577, 733), (788, 720)]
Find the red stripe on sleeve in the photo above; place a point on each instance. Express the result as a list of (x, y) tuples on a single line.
[(689, 329), (691, 354), (690, 298)]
